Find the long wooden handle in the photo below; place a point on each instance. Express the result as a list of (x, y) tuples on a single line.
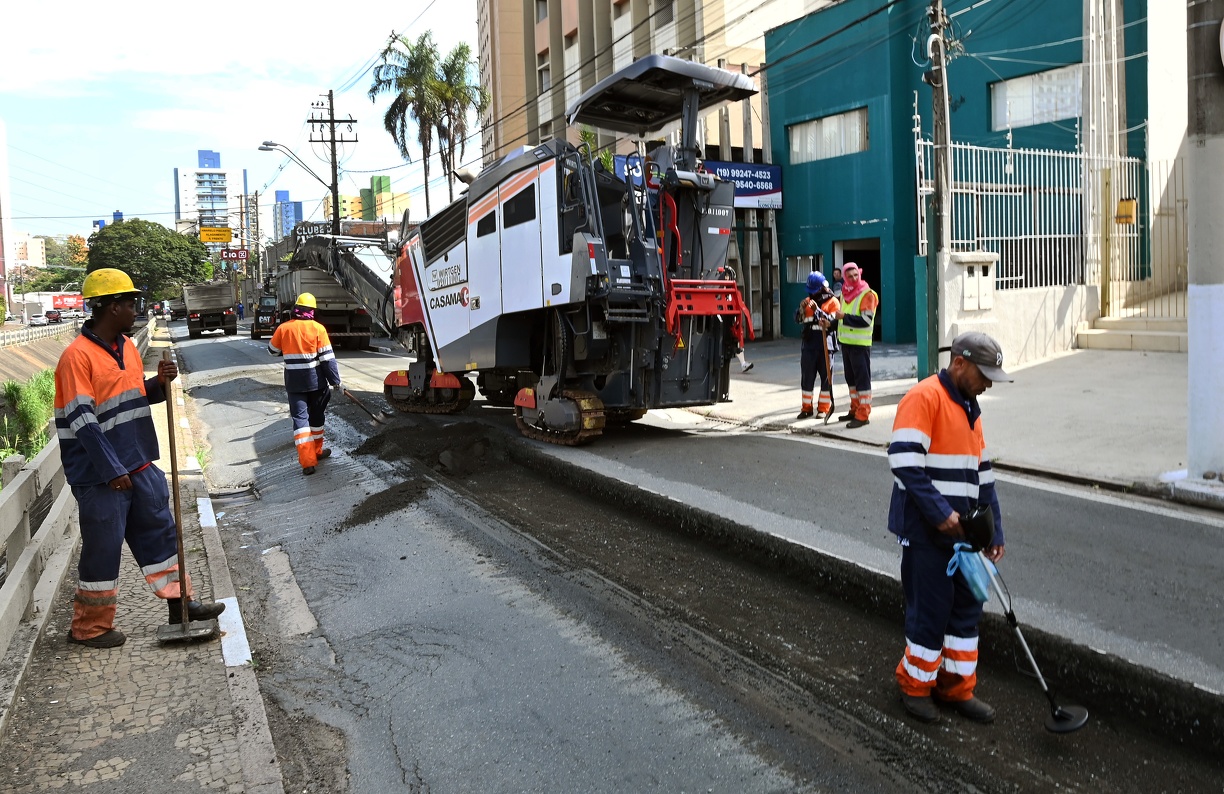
[(168, 391)]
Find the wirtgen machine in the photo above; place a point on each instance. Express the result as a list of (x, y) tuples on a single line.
[(578, 297)]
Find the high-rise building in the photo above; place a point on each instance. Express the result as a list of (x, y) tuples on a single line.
[(210, 196), (564, 47), (285, 215), (500, 56)]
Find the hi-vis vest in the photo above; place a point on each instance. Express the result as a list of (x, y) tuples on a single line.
[(866, 301), (307, 349)]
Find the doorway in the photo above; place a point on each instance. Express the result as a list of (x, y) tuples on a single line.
[(866, 254)]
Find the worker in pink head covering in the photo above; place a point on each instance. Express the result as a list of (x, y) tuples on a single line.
[(855, 328)]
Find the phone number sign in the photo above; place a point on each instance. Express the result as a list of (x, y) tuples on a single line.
[(757, 185)]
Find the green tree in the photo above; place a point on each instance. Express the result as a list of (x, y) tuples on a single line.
[(457, 99), (409, 71), (158, 260)]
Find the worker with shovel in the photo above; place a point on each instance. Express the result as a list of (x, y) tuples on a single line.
[(310, 366), (941, 473), (108, 444)]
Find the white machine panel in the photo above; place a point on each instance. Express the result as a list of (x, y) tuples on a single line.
[(555, 267), (519, 213), (445, 291), (484, 261)]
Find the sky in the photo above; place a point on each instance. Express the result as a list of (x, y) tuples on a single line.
[(102, 102)]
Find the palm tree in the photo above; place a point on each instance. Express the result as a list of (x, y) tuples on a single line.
[(410, 71), (457, 99)]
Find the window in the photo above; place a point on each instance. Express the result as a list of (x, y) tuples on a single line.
[(543, 73), (1039, 98), (665, 12), (521, 208), (486, 225), (541, 10), (619, 7), (571, 40), (831, 136)]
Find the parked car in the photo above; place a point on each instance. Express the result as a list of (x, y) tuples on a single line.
[(54, 316), (37, 319), (72, 314)]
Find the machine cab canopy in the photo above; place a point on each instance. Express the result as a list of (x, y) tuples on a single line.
[(649, 94)]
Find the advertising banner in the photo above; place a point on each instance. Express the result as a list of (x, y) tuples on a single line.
[(67, 302), (757, 185)]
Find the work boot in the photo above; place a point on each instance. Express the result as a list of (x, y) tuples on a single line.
[(921, 708), (804, 415), (111, 639), (856, 422), (309, 470), (324, 454), (846, 417), (974, 709), (195, 610)]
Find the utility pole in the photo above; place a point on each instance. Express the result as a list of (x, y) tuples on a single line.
[(1205, 139), (317, 121), (939, 253)]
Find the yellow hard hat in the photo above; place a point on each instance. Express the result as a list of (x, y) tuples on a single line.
[(307, 300), (107, 281)]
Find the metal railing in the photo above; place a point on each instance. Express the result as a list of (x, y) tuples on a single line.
[(23, 335), (1050, 215)]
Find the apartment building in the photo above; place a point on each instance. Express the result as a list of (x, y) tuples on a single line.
[(210, 196)]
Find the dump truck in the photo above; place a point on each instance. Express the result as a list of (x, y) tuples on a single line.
[(210, 306), (311, 270)]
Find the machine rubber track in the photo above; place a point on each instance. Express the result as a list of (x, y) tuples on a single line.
[(590, 408), (422, 405)]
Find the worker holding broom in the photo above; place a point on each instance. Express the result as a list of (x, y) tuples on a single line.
[(108, 444), (310, 366)]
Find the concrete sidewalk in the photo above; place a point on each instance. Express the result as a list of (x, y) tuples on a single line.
[(1113, 418), (145, 716)]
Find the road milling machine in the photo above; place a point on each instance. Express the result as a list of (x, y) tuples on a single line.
[(578, 297)]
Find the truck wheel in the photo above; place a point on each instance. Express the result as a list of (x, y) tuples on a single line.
[(193, 334), (255, 334)]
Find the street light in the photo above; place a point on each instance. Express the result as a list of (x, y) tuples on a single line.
[(334, 187)]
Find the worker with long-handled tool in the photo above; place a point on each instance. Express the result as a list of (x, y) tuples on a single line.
[(815, 314), (108, 444), (310, 367), (941, 472)]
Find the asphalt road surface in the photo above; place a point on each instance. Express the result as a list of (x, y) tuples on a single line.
[(429, 613)]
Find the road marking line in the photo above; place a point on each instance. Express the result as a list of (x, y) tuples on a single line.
[(234, 646), (205, 508)]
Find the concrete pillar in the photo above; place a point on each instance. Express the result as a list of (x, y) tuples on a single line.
[(1205, 429)]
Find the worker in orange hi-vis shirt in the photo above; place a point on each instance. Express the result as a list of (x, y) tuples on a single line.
[(108, 444), (941, 473), (856, 324), (310, 366)]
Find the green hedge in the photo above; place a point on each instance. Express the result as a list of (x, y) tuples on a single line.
[(23, 417)]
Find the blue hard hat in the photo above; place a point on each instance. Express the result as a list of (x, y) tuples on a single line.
[(816, 283)]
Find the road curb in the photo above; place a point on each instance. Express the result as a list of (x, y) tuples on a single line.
[(1104, 682), (260, 764)]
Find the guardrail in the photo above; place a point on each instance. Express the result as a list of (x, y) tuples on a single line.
[(31, 540), (23, 335)]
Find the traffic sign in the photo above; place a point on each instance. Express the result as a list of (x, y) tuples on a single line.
[(216, 234), (235, 253)]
